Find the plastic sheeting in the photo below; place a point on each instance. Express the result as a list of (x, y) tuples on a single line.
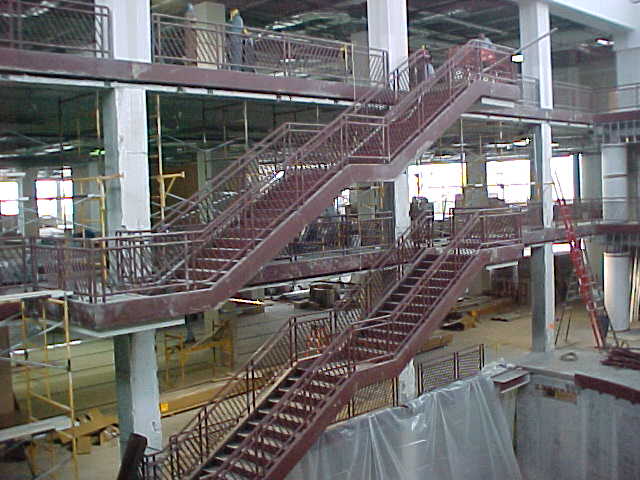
[(594, 437), (455, 433)]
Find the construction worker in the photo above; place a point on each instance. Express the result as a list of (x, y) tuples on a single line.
[(234, 30), (429, 71), (487, 54)]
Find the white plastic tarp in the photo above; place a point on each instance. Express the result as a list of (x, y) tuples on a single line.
[(455, 433)]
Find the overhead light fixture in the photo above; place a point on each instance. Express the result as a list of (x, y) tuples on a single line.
[(517, 58), (522, 142), (604, 42), (555, 145)]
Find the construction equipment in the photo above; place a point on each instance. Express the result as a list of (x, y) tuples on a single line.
[(588, 287)]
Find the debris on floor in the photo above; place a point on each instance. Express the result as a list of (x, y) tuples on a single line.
[(623, 358)]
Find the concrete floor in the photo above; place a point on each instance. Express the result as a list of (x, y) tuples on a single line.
[(503, 340)]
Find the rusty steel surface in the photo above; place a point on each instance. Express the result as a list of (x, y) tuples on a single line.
[(299, 341), (262, 202), (381, 339), (602, 385)]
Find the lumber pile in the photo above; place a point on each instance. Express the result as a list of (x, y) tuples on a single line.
[(622, 358)]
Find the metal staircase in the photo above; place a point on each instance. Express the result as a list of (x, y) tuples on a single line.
[(272, 410), (242, 218)]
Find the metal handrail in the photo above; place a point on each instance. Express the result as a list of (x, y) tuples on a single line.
[(29, 24), (192, 41)]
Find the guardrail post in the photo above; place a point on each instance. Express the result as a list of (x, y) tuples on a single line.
[(456, 366)]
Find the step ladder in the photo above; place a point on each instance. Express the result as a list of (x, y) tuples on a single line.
[(566, 313), (589, 289)]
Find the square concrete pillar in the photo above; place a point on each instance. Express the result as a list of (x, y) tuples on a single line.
[(534, 23), (126, 153), (130, 29), (137, 388)]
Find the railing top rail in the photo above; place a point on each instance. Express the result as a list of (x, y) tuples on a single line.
[(69, 5), (269, 33)]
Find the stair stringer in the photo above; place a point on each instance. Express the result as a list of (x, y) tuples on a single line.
[(370, 374), (377, 372), (315, 204)]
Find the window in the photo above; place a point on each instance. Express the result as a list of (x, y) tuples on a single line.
[(438, 182), (9, 194), (55, 199)]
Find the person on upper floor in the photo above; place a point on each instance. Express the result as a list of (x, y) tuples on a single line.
[(235, 32)]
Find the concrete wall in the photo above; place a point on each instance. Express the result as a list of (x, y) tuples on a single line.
[(569, 434), (251, 331)]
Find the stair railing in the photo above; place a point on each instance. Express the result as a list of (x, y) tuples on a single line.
[(262, 162), (345, 140), (360, 300), (298, 339), (339, 361)]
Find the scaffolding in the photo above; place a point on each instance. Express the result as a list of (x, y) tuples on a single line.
[(46, 348)]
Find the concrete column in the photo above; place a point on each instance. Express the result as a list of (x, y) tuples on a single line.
[(126, 152), (205, 167), (590, 175), (401, 202), (591, 188), (475, 191), (387, 28), (361, 58), (28, 209), (130, 29), (627, 48), (387, 22), (137, 387), (364, 198), (542, 269), (542, 298), (210, 54), (534, 22), (617, 289), (615, 183), (87, 211)]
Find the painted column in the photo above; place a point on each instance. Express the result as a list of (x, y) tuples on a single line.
[(210, 48), (28, 208), (591, 189), (617, 264), (360, 57), (126, 153), (129, 206), (137, 388), (615, 183), (627, 48), (475, 191), (130, 29), (87, 210), (534, 22), (387, 27), (542, 265), (617, 289)]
